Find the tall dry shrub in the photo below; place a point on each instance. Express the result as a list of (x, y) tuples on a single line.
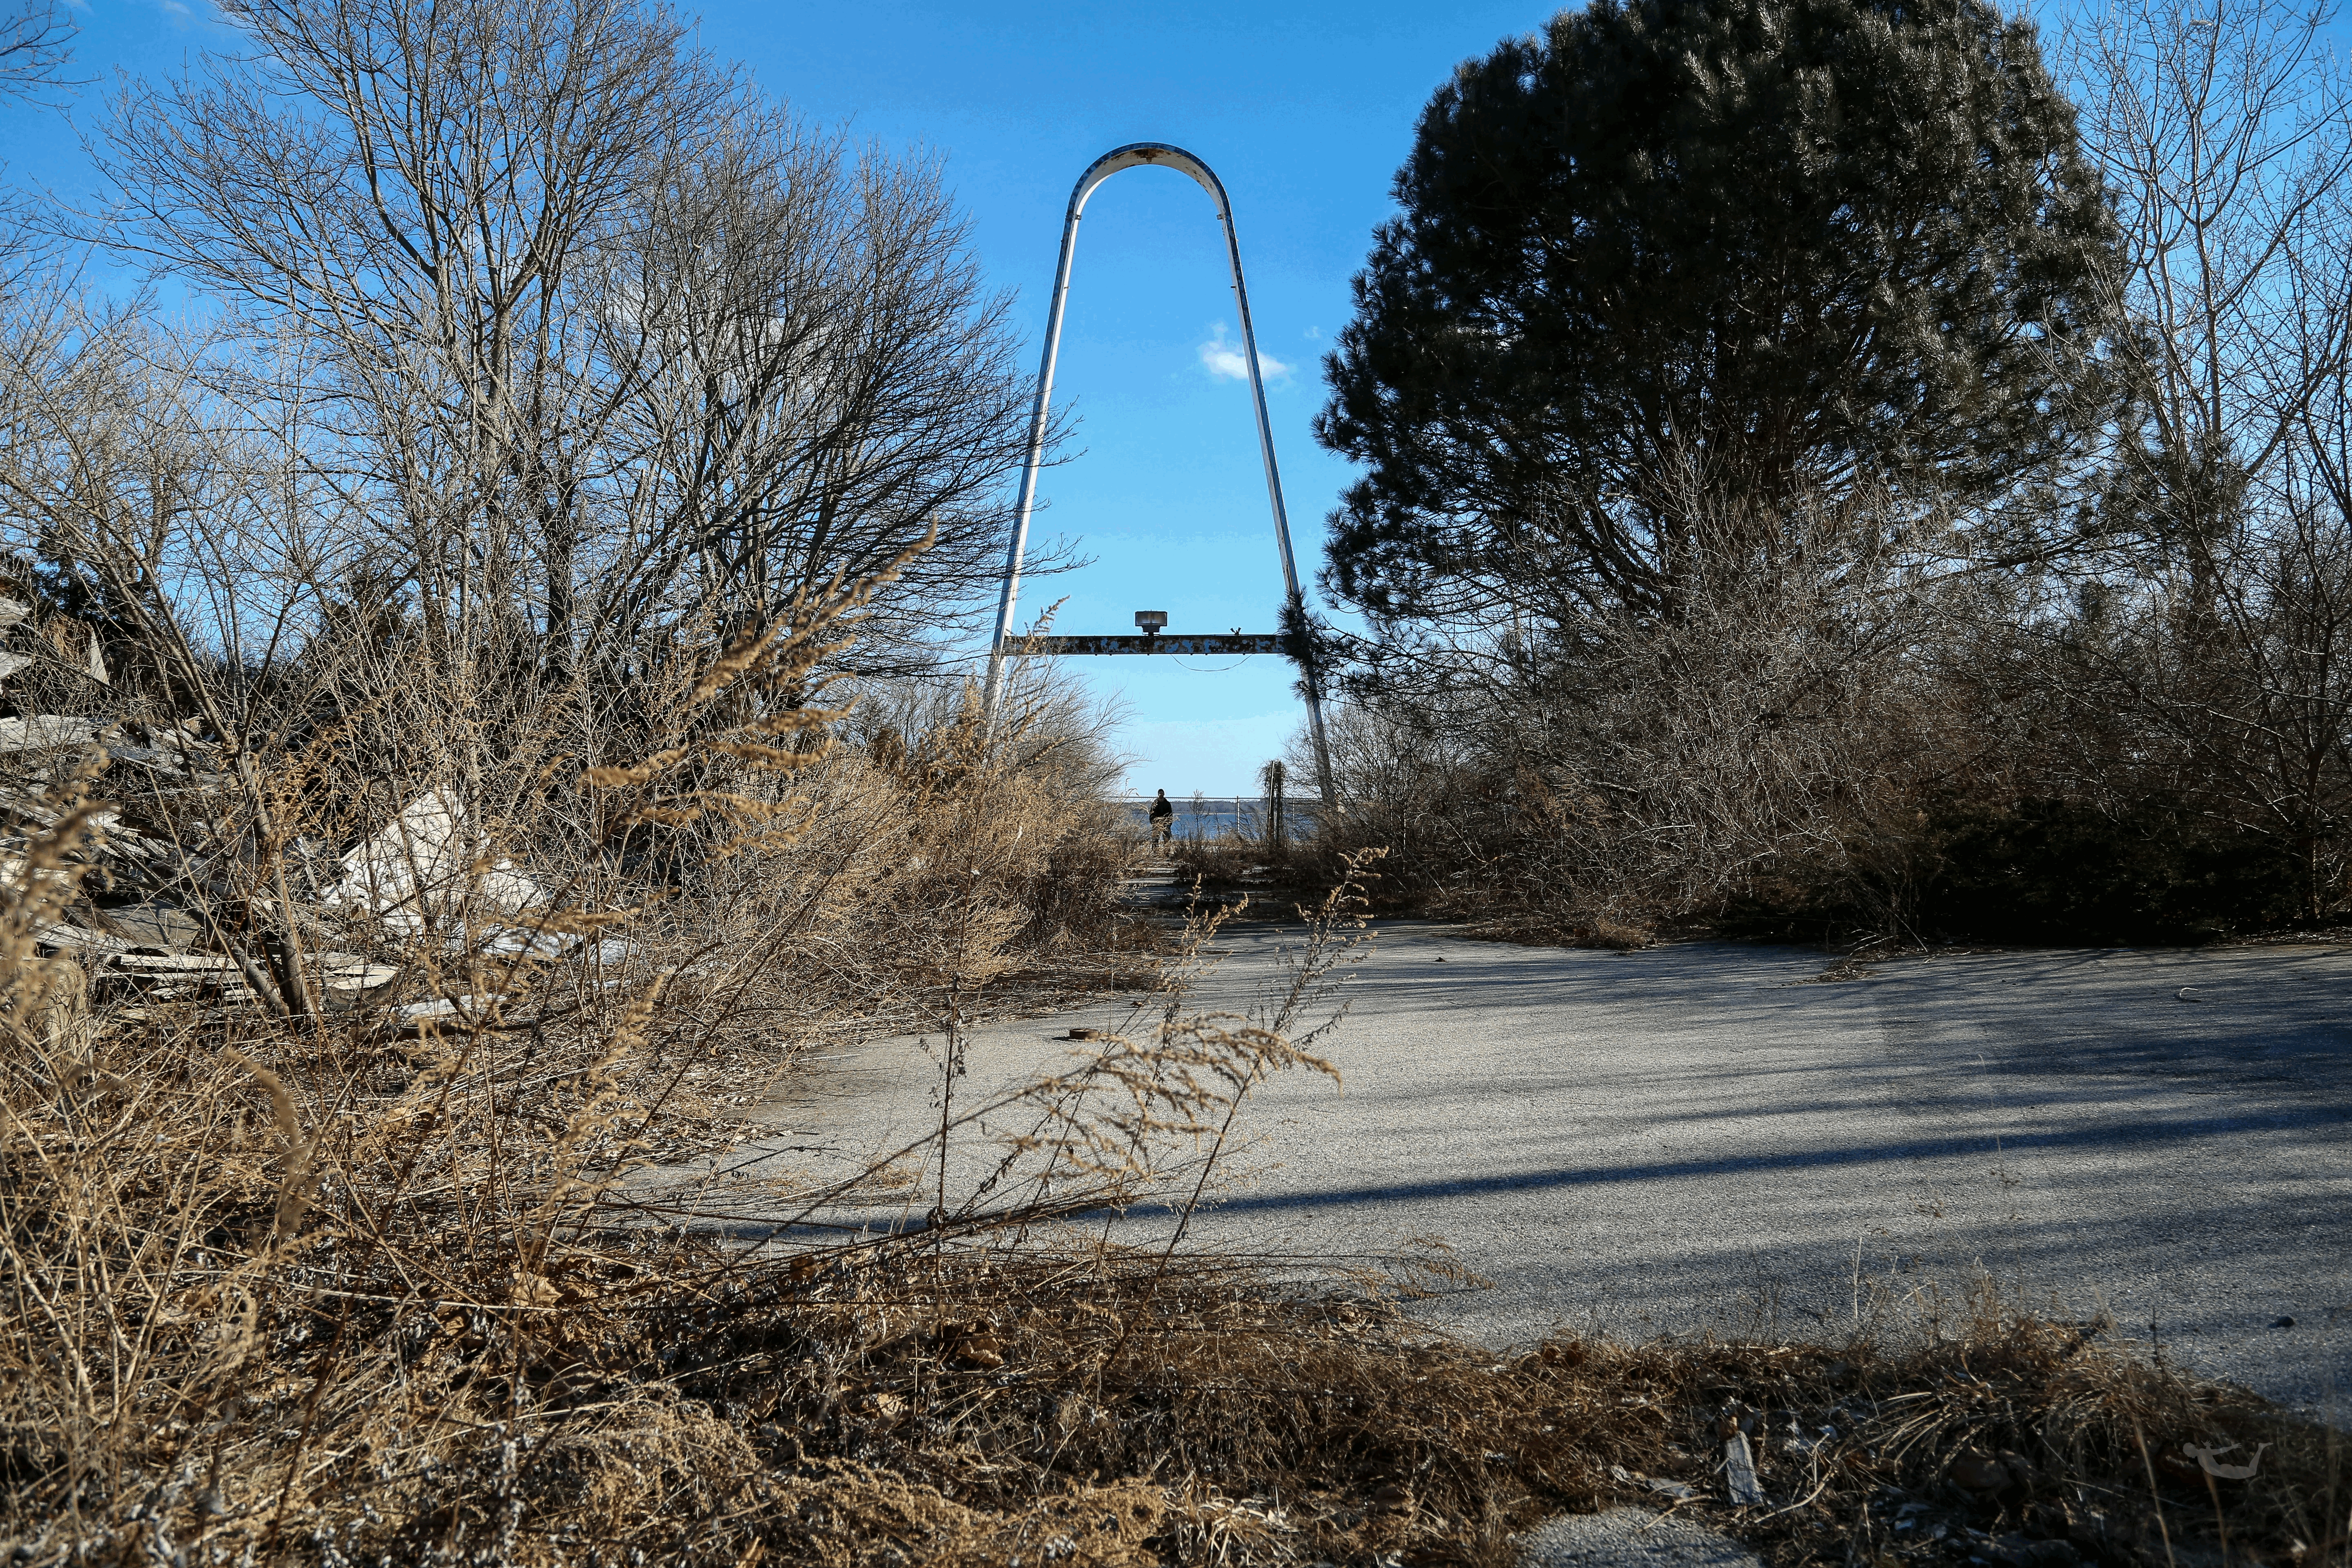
[(382, 1280), (1770, 739)]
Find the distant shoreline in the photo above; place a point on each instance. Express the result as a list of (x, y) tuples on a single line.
[(1221, 815)]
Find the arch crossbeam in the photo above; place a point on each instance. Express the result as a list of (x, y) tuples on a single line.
[(1138, 154)]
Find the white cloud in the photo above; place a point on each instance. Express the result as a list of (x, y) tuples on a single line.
[(1226, 362)]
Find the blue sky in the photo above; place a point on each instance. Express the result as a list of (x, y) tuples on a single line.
[(1305, 110)]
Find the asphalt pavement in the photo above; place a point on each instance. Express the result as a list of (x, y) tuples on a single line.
[(1710, 1138)]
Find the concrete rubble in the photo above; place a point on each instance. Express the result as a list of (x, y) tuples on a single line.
[(158, 922)]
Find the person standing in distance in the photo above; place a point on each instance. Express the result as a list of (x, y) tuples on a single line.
[(1163, 821)]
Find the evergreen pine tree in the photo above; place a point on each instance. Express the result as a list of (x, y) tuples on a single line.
[(1782, 244)]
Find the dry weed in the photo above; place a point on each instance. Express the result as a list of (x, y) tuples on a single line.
[(309, 1289)]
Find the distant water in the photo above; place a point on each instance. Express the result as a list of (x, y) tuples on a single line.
[(1222, 816)]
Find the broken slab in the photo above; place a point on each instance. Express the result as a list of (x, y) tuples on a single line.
[(62, 938), (354, 971), (1630, 1538), (152, 925), (175, 963), (1739, 1470), (48, 732), (515, 941)]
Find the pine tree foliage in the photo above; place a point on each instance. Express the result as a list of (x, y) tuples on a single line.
[(1795, 242)]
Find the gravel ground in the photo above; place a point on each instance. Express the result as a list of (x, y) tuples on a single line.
[(1708, 1138), (1630, 1538)]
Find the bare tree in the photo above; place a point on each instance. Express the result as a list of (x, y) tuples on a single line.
[(412, 188), (160, 518), (36, 46), (2213, 652), (35, 43), (613, 351), (2224, 130), (821, 382)]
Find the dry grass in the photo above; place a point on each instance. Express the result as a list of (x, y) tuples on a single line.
[(1101, 1407), (240, 1234), (317, 1289)]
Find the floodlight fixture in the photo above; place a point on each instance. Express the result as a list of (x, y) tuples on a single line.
[(1151, 621)]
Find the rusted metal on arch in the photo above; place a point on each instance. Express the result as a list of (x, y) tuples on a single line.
[(1223, 643)]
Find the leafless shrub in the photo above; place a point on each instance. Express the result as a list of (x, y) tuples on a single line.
[(1628, 769)]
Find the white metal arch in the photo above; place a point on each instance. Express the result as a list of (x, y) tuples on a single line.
[(1137, 154)]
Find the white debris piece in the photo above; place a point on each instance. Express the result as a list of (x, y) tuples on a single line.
[(509, 942), (98, 662), (1739, 1471), (428, 862), (12, 611), (345, 973), (174, 964)]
